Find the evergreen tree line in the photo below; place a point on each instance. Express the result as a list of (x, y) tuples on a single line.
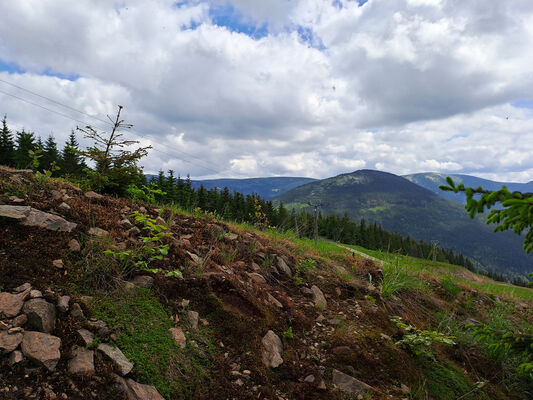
[(253, 209), (20, 150)]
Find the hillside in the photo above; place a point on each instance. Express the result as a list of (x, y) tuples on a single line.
[(210, 310), (266, 188), (404, 207), (432, 181)]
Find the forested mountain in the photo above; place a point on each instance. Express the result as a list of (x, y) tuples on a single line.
[(432, 181), (404, 207)]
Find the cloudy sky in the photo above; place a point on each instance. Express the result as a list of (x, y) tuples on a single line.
[(245, 88)]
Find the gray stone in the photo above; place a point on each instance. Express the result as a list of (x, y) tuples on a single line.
[(309, 379), (138, 391), (126, 223), (318, 297), (42, 348), (121, 363), (144, 281), (15, 199), (257, 278), (41, 315), (86, 336), (76, 311), (18, 213), (64, 207), (193, 319), (58, 264), (178, 336), (22, 288), (231, 236), (99, 326), (274, 301), (19, 320), (349, 384), (282, 265), (48, 221), (82, 362), (35, 294), (93, 195), (9, 341), (15, 357), (97, 232), (272, 350), (11, 304), (63, 304), (74, 245), (195, 258)]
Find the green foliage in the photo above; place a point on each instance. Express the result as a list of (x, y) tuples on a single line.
[(445, 381), (152, 249), (115, 168), (302, 269), (418, 341), (288, 334), (25, 144), (7, 145), (143, 324), (449, 286), (143, 193), (396, 278)]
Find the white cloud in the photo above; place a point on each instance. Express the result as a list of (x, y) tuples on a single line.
[(406, 86)]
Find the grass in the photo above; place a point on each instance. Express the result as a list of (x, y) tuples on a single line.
[(144, 338), (396, 278)]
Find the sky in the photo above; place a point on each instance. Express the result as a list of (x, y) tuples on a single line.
[(247, 88)]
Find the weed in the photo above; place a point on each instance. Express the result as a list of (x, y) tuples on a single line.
[(288, 334), (396, 278), (449, 286), (302, 269), (267, 263), (228, 256), (445, 381)]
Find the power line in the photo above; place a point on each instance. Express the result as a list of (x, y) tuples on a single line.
[(83, 122)]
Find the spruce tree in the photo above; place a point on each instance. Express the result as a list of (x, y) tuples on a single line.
[(71, 162), (7, 145), (25, 144), (50, 158)]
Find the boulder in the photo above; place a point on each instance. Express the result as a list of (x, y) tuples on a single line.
[(11, 304), (76, 311), (138, 391), (22, 288), (318, 297), (19, 320), (9, 342), (178, 336), (18, 213), (41, 315), (63, 304), (15, 357), (42, 348), (121, 363), (349, 384), (272, 350), (282, 265), (82, 362), (48, 221), (93, 195), (86, 336)]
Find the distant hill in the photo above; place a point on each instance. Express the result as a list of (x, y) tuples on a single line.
[(267, 188), (432, 181), (409, 209)]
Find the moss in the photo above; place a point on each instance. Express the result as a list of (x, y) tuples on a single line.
[(446, 381), (144, 338)]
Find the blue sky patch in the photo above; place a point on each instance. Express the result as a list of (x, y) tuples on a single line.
[(523, 104), (232, 19), (14, 68), (11, 67)]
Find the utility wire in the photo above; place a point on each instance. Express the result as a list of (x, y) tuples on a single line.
[(84, 123)]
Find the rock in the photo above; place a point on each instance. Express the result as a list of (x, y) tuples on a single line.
[(87, 337), (76, 311), (9, 341), (58, 264), (126, 223), (282, 265), (18, 213), (99, 326), (318, 297), (342, 350), (143, 209), (160, 221), (74, 245), (405, 389), (122, 364), (257, 278), (274, 301), (31, 217), (93, 196), (41, 315), (178, 336), (349, 384), (11, 304), (256, 267), (306, 291), (4, 326), (17, 329), (35, 294), (15, 199), (42, 348), (97, 232), (56, 195), (144, 281), (196, 259), (63, 304), (193, 319), (309, 379), (133, 231), (22, 288), (15, 357), (19, 320), (64, 207), (82, 363), (272, 350), (231, 236), (138, 391)]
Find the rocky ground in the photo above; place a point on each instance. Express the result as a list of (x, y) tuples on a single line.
[(228, 318)]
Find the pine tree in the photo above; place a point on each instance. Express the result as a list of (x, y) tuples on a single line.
[(50, 158), (25, 144), (7, 145), (71, 162)]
